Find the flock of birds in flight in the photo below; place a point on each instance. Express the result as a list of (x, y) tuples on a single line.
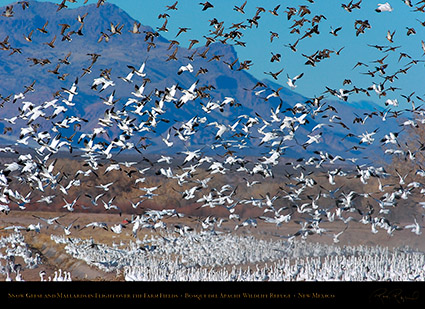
[(38, 171)]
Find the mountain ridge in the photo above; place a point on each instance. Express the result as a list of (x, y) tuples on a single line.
[(128, 49)]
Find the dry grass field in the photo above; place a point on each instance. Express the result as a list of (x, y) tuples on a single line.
[(54, 256), (126, 190)]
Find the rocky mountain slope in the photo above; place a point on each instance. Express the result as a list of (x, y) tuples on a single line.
[(83, 46)]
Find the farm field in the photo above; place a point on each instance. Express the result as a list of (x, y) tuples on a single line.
[(54, 257)]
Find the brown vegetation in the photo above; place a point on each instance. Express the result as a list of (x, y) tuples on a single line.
[(126, 190), (54, 257)]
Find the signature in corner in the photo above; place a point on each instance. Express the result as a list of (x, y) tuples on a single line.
[(394, 295)]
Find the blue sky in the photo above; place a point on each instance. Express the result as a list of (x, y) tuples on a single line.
[(329, 72)]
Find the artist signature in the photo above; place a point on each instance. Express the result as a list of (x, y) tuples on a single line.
[(394, 296)]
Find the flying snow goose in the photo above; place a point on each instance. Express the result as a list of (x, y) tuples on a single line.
[(384, 7), (291, 81)]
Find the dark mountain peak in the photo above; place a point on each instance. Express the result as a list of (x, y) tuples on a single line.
[(49, 8), (96, 19), (216, 66), (223, 48)]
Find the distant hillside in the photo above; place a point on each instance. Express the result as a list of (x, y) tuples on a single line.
[(25, 62)]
